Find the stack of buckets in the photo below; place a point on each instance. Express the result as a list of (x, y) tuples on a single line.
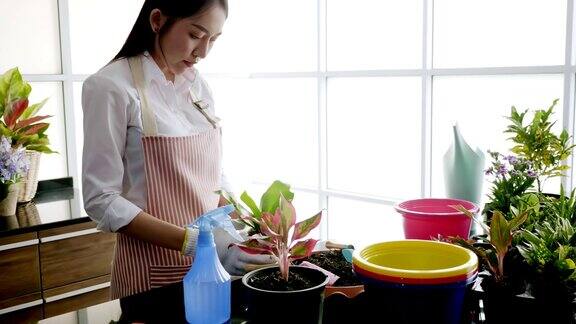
[(419, 280)]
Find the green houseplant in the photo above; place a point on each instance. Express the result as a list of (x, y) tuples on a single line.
[(549, 248), (273, 230), (498, 258), (537, 143), (21, 124)]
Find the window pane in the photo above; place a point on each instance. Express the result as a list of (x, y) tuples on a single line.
[(470, 33), (479, 105), (269, 129), (362, 223), (265, 36), (30, 36), (98, 29), (369, 34), (374, 128), (52, 165)]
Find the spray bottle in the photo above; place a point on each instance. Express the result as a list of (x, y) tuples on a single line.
[(207, 290)]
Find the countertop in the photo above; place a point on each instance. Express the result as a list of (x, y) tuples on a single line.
[(55, 204), (171, 299)]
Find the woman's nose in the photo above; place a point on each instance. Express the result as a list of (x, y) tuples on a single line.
[(203, 48)]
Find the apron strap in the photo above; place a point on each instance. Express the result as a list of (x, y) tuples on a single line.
[(149, 126)]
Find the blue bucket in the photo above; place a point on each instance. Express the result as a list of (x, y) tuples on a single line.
[(411, 303)]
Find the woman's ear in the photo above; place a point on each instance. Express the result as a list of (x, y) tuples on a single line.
[(157, 20)]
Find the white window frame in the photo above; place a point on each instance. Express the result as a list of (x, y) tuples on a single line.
[(426, 73)]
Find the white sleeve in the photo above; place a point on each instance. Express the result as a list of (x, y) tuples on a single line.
[(106, 115)]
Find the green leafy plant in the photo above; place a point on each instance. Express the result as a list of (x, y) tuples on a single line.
[(281, 236), (501, 235), (512, 178), (563, 206), (537, 143), (269, 202), (19, 120), (550, 249)]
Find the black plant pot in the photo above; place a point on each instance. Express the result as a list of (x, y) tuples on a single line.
[(504, 304), (297, 306)]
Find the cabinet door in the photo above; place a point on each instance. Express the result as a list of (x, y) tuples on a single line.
[(74, 253), (19, 264), (76, 296)]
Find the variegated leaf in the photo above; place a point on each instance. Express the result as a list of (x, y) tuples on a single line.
[(36, 128), (274, 221), (254, 246), (29, 121), (304, 227), (288, 215), (302, 249), (14, 111), (265, 228)]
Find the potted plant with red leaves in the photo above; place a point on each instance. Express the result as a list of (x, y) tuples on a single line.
[(20, 123), (285, 284)]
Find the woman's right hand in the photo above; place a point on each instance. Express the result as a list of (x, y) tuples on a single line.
[(235, 261)]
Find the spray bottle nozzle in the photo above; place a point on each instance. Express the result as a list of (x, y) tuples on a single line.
[(218, 218)]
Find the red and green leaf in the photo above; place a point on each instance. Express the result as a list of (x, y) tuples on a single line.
[(302, 249), (265, 229), (288, 216), (274, 222), (255, 246), (304, 227), (29, 121), (33, 109), (14, 111), (35, 129)]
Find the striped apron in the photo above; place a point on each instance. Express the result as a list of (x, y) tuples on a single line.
[(182, 174)]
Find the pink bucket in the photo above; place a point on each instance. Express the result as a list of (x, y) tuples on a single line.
[(429, 217)]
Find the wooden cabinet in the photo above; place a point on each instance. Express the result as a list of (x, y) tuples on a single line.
[(74, 254), (20, 266), (20, 288), (54, 271)]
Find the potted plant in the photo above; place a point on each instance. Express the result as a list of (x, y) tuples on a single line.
[(329, 258), (549, 248), (13, 165), (300, 287), (20, 124), (500, 285)]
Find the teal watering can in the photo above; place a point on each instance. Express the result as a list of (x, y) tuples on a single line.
[(463, 170)]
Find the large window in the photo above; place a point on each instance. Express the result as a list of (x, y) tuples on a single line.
[(351, 102)]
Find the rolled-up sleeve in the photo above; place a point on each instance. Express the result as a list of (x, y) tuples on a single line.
[(106, 115)]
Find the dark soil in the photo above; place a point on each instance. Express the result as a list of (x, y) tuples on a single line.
[(334, 261), (274, 281)]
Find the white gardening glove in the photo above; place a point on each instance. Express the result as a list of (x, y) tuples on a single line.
[(235, 261)]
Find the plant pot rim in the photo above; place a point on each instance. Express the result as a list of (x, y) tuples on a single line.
[(253, 272), (401, 208)]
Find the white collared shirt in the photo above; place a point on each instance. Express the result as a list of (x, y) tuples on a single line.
[(113, 178)]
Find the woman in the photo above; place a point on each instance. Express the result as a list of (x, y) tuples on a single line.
[(152, 148)]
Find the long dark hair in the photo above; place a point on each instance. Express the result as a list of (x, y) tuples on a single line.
[(141, 38)]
